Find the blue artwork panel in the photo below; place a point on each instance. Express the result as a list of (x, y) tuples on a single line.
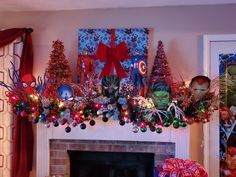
[(227, 79), (135, 40)]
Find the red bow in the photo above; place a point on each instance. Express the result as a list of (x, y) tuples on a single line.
[(183, 168), (112, 55)]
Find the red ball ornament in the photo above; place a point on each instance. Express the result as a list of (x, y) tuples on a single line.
[(97, 106), (53, 118), (143, 124), (13, 99), (23, 114), (134, 103), (189, 120), (76, 115), (63, 121), (33, 108), (186, 119)]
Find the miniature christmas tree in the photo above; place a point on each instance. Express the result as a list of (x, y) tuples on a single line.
[(160, 70), (58, 70)]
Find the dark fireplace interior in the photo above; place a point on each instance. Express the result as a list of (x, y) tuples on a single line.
[(110, 164)]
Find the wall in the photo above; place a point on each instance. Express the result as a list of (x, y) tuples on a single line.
[(180, 29)]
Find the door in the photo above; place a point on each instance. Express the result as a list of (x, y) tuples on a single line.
[(219, 50)]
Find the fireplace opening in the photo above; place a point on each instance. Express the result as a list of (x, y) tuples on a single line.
[(110, 164)]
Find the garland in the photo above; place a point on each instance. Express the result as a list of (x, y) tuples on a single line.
[(72, 109), (53, 99)]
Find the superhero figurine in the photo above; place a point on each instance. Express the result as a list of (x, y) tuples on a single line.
[(138, 70), (85, 67)]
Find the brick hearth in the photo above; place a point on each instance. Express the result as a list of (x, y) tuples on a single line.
[(59, 158)]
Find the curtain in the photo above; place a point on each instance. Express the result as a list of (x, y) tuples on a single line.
[(23, 133)]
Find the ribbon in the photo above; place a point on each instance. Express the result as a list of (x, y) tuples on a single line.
[(175, 167), (112, 56), (162, 115), (178, 112)]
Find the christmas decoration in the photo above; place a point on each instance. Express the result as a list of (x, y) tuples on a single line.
[(160, 70), (58, 70), (161, 95), (59, 102), (65, 92), (146, 115), (173, 167), (85, 68), (198, 102), (112, 55), (111, 50), (138, 70), (23, 95), (28, 83), (199, 87)]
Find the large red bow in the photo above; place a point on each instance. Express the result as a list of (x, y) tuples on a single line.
[(112, 55), (182, 168)]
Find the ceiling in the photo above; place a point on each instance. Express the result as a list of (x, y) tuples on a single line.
[(48, 5)]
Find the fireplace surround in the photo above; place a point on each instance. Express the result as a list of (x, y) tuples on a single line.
[(53, 143)]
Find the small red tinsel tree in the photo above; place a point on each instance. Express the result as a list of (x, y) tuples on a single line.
[(58, 70), (160, 70)]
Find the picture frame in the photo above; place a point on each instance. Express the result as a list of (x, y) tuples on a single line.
[(213, 46)]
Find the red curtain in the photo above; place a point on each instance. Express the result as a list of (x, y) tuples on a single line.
[(23, 134)]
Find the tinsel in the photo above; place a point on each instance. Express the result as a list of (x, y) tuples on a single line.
[(73, 104), (58, 70)]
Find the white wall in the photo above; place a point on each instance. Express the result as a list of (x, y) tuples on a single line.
[(180, 29)]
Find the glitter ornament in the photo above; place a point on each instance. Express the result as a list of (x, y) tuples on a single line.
[(159, 130), (92, 122), (135, 129), (143, 129), (152, 128), (55, 124), (68, 129), (83, 126), (122, 122)]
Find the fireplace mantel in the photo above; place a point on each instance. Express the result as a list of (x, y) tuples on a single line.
[(106, 131)]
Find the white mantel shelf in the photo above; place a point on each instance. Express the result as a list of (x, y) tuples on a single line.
[(110, 130)]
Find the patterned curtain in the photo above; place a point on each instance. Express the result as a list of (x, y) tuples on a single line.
[(8, 53)]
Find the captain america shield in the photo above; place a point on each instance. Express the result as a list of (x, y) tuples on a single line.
[(142, 67)]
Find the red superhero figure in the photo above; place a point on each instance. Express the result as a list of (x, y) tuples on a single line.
[(85, 67), (28, 83)]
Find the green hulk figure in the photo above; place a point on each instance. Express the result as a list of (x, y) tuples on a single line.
[(161, 96)]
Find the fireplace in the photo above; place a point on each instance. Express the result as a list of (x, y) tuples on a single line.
[(110, 164), (53, 143), (67, 156)]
